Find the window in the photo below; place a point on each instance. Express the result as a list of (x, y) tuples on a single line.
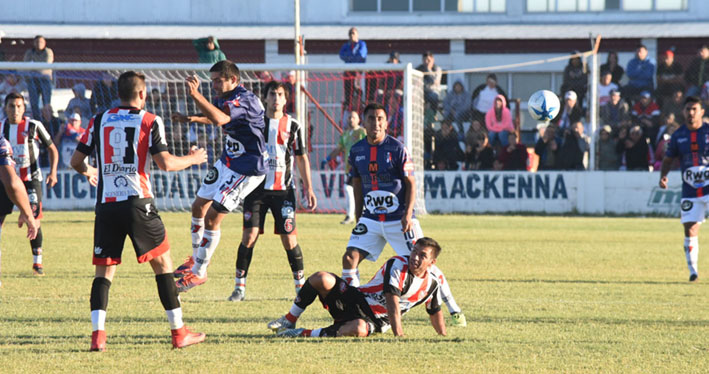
[(539, 6), (459, 6)]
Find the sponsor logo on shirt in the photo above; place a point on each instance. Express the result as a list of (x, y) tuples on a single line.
[(696, 176), (381, 202)]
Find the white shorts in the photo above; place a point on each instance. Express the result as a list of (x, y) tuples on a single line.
[(227, 187), (371, 236), (694, 209)]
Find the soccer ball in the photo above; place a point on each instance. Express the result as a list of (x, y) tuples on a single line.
[(543, 105)]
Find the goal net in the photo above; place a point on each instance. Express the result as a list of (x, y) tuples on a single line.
[(329, 91)]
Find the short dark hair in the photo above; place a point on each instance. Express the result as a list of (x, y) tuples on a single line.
[(226, 69), (692, 100), (374, 106), (429, 242), (640, 46), (274, 85), (492, 76), (427, 53), (38, 37), (129, 83), (14, 96)]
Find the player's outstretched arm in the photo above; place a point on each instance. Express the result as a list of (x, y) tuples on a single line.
[(394, 313), (18, 195), (168, 162), (179, 117), (303, 163), (438, 322), (212, 113), (54, 162), (665, 169)]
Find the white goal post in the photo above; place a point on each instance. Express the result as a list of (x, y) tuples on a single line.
[(325, 91)]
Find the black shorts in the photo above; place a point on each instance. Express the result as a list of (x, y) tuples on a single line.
[(282, 205), (34, 192), (346, 303), (136, 218)]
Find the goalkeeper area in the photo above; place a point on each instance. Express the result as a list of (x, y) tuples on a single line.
[(542, 295)]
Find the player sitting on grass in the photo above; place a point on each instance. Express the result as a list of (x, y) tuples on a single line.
[(399, 285)]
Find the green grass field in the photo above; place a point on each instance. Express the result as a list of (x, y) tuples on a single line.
[(541, 295)]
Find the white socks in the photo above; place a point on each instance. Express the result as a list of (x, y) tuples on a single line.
[(197, 229), (205, 252), (98, 319), (175, 318), (349, 191), (351, 276), (691, 252)]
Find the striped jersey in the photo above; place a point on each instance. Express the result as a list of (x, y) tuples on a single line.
[(5, 152), (284, 138), (243, 142), (122, 138), (25, 152), (692, 149), (394, 277), (382, 169)]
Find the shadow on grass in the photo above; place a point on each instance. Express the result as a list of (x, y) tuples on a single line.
[(569, 281)]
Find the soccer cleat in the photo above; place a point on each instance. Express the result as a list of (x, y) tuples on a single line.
[(458, 319), (237, 295), (184, 268), (38, 270), (694, 278), (281, 324), (98, 341), (348, 220), (189, 281), (183, 337), (291, 333)]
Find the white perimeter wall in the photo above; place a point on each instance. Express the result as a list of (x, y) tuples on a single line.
[(446, 192)]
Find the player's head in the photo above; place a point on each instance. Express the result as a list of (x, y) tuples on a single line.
[(14, 107), (424, 254), (693, 110), (375, 122), (131, 88), (276, 95), (225, 77)]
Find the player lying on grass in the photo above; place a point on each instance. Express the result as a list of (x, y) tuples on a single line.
[(402, 283)]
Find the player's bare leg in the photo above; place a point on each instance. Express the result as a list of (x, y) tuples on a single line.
[(318, 284), (691, 248), (200, 206), (249, 237), (295, 259), (350, 261)]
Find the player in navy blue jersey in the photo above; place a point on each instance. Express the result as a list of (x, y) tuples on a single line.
[(239, 170), (690, 144), (384, 188)]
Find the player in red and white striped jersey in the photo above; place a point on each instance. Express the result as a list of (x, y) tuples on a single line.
[(285, 142), (25, 136), (126, 140), (402, 283)]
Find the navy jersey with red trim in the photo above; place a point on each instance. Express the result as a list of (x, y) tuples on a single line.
[(122, 138), (395, 278), (25, 152), (243, 144), (382, 169), (284, 139), (5, 152), (692, 149)]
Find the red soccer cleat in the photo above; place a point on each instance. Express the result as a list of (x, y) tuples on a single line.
[(38, 270), (183, 337), (189, 281), (185, 268), (98, 341)]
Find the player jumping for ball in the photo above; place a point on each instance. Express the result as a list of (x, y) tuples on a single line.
[(385, 190), (402, 283), (690, 144)]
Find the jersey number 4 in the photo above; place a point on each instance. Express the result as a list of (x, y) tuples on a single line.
[(121, 140)]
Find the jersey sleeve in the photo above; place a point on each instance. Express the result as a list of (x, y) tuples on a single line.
[(394, 276), (672, 150), (158, 142), (43, 135), (87, 142), (5, 152), (407, 167), (298, 133)]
